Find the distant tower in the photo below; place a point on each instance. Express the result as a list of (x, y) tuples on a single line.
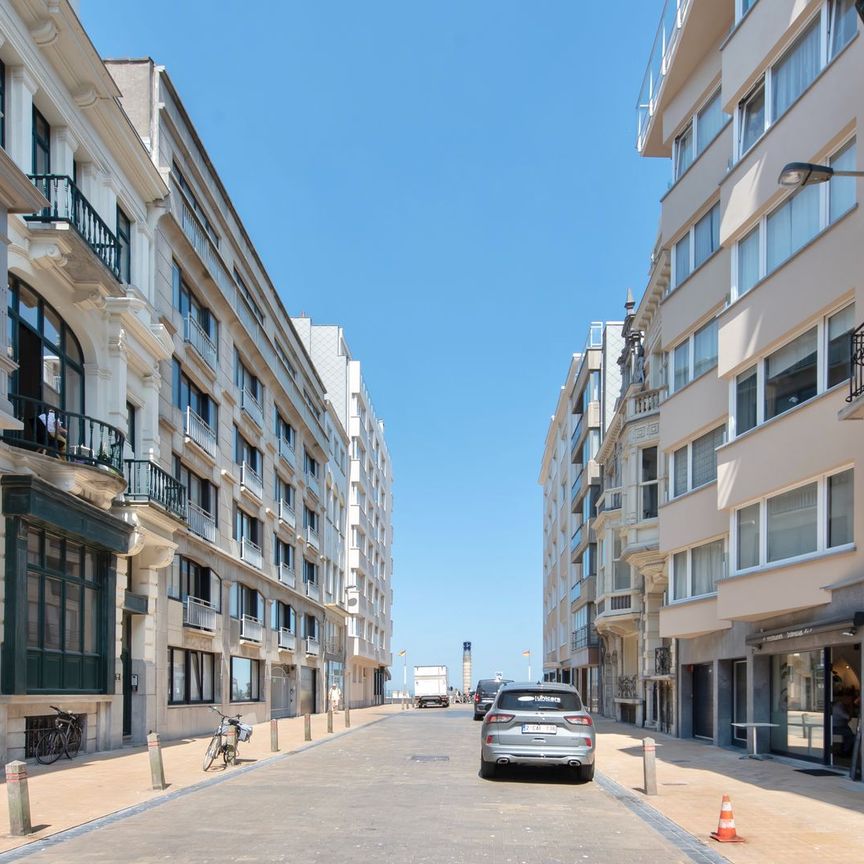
[(466, 667)]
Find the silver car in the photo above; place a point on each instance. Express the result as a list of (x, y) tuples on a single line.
[(538, 724)]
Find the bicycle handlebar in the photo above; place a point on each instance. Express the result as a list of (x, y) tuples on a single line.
[(235, 718)]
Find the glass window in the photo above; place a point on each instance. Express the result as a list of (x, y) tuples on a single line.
[(679, 572), (840, 509), (748, 536), (796, 71), (748, 262), (244, 679), (649, 482), (842, 25), (841, 190), (124, 242), (705, 348), (752, 111), (682, 259), (706, 236), (681, 365), (790, 375), (708, 565), (745, 401), (792, 523), (704, 456), (679, 459), (684, 151), (709, 122), (840, 327), (791, 226), (191, 676)]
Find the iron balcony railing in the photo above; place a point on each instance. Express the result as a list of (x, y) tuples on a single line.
[(584, 637), (286, 452), (69, 205), (856, 364), (251, 480), (149, 483), (198, 430), (312, 537), (313, 590), (287, 575), (200, 340), (201, 522), (251, 553), (199, 613), (287, 640), (251, 628), (65, 434), (662, 661), (313, 646), (313, 484), (250, 403), (287, 514)]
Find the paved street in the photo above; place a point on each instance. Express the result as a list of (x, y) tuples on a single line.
[(367, 796)]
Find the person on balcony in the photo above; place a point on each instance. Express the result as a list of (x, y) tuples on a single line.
[(54, 434)]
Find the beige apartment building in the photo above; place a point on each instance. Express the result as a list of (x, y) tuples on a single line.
[(753, 297)]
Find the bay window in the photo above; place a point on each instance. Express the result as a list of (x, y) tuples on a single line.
[(694, 356), (695, 464), (696, 571), (648, 480)]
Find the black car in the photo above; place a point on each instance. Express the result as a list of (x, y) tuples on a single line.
[(485, 693)]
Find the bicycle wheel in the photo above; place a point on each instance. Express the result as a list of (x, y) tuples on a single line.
[(73, 743), (229, 753), (49, 747), (212, 751)]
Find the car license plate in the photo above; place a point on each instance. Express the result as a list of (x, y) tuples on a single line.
[(544, 728)]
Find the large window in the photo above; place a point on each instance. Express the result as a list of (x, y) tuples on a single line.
[(283, 615), (247, 527), (699, 132), (648, 496), (124, 241), (41, 144), (244, 600), (695, 464), (193, 200), (200, 493), (284, 430), (200, 317), (310, 571), (188, 578), (694, 356), (187, 394), (696, 571), (245, 452), (842, 25), (245, 684), (245, 380), (811, 518), (65, 643), (700, 242), (283, 553), (192, 676)]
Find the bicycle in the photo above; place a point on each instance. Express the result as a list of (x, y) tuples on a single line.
[(65, 737), (217, 746)]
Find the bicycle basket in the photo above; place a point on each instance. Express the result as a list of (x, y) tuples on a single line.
[(244, 732)]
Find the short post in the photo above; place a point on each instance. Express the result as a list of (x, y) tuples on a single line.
[(307, 727), (649, 765), (19, 798), (330, 720), (231, 737), (347, 717), (274, 736), (157, 771)]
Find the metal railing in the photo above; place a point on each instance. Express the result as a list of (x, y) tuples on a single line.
[(250, 403), (577, 431), (251, 480), (200, 340), (286, 452), (251, 553), (576, 539), (147, 482), (313, 590), (663, 661), (313, 646), (199, 613), (584, 637), (312, 537), (198, 430), (65, 434), (286, 575), (856, 363), (201, 522), (251, 628), (313, 484), (69, 205), (287, 514), (287, 640)]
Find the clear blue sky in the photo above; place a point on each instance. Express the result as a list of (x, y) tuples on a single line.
[(456, 183)]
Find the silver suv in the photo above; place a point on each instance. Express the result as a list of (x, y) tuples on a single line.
[(538, 724)]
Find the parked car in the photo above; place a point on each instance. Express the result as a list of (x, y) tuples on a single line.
[(538, 724), (484, 694)]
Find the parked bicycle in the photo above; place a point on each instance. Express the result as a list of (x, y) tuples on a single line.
[(219, 745), (65, 737)]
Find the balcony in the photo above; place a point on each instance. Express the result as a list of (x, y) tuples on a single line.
[(287, 640), (286, 574), (251, 481), (148, 483), (313, 484), (584, 637), (251, 553), (76, 438), (199, 613), (313, 591), (313, 646), (609, 500), (312, 537), (201, 522), (576, 539), (855, 399), (644, 404), (574, 438), (287, 514), (250, 403), (576, 485), (251, 629), (287, 454), (196, 336), (197, 430), (68, 207)]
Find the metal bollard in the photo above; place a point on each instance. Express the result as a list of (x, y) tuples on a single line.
[(649, 765), (157, 771), (19, 798), (231, 737), (274, 736), (347, 717), (307, 727), (330, 720)]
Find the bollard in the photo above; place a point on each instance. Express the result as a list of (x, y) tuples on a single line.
[(649, 765), (19, 798), (330, 720), (347, 717), (274, 736), (231, 742), (307, 727), (157, 771)]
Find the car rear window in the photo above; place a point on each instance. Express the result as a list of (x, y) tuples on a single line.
[(540, 700), (487, 688)]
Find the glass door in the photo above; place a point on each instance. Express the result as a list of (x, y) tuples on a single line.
[(703, 701), (798, 704), (739, 702), (845, 715)]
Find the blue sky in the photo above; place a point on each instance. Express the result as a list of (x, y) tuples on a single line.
[(455, 183)]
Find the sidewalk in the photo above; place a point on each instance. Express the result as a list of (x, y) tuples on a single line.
[(783, 815), (73, 792)]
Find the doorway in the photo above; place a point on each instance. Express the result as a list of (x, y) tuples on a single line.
[(739, 702), (703, 701), (844, 663), (308, 690), (126, 661)]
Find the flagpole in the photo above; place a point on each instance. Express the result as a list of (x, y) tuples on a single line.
[(529, 665)]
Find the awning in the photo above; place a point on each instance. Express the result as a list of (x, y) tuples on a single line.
[(781, 634)]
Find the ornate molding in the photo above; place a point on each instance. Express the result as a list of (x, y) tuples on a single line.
[(45, 33), (85, 96), (46, 254)]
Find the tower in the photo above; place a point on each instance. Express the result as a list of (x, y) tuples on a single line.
[(466, 667)]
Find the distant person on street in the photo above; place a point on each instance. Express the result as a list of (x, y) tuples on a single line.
[(841, 714)]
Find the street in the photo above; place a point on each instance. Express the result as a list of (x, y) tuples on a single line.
[(402, 790)]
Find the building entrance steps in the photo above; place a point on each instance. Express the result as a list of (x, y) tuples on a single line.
[(786, 816), (73, 792)]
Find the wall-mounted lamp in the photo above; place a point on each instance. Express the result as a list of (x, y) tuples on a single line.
[(858, 618)]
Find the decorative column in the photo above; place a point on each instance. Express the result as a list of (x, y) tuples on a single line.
[(19, 104)]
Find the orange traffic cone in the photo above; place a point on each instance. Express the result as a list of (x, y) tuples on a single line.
[(725, 832)]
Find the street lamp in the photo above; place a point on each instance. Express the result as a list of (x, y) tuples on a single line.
[(799, 174), (403, 654)]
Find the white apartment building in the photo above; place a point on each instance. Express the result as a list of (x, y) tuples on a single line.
[(369, 592), (753, 299)]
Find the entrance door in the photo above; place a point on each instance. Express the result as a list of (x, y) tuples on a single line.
[(126, 660), (703, 701), (845, 707), (308, 688), (280, 691), (739, 702)]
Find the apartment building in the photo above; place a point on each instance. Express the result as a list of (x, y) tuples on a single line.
[(369, 592), (754, 294), (82, 346), (241, 422), (570, 475)]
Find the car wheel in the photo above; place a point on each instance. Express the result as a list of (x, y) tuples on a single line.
[(487, 769), (586, 773), (478, 716)]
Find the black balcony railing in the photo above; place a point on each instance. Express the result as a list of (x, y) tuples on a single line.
[(584, 637), (856, 364), (662, 661), (149, 483), (65, 434), (69, 205)]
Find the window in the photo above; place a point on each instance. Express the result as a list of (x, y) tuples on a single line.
[(790, 374), (199, 210), (41, 144), (751, 113), (592, 390), (795, 71), (199, 492), (780, 234), (310, 572), (283, 491), (696, 571), (743, 7), (698, 353), (700, 242), (244, 452), (620, 567), (283, 553), (310, 627), (310, 519), (310, 464), (124, 243), (283, 615), (246, 527), (810, 518), (684, 150), (695, 464), (191, 676), (284, 430), (839, 332), (285, 358), (842, 25), (246, 295), (188, 395), (2, 104), (131, 426), (590, 446), (245, 601), (199, 316), (244, 680), (699, 133), (648, 482), (187, 578), (247, 382), (745, 401)]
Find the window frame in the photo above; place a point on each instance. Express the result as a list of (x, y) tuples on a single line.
[(688, 455), (697, 145), (689, 595), (187, 660), (254, 679), (689, 237), (124, 242), (690, 342)]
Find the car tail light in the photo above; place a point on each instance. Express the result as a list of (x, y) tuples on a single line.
[(476, 697), (579, 720), (490, 739), (499, 718)]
